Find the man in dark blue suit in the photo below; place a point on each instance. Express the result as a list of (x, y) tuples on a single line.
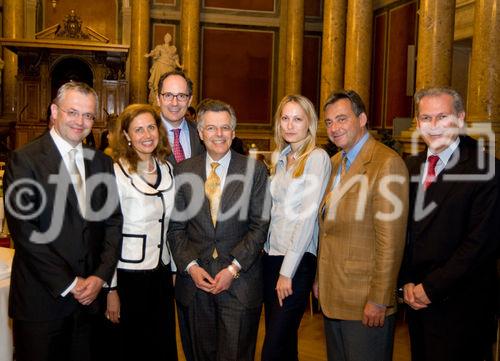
[(63, 213), (449, 272)]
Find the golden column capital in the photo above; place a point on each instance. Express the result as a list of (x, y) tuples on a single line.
[(190, 42), (435, 43), (294, 49), (484, 83), (333, 51), (359, 48), (13, 27), (139, 46)]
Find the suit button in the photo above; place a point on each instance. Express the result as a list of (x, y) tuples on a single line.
[(159, 246)]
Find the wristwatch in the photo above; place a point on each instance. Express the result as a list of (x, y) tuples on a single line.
[(234, 272)]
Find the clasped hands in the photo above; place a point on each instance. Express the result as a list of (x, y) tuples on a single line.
[(415, 296), (87, 289), (221, 282)]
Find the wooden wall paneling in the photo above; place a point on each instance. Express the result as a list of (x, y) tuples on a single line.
[(30, 94), (311, 65), (377, 103), (165, 2), (402, 29), (237, 67), (158, 33), (249, 5), (101, 16), (313, 8)]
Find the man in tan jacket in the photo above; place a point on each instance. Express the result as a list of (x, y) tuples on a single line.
[(362, 235)]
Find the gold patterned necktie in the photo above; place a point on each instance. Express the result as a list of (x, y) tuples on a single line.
[(343, 168), (213, 193), (76, 179)]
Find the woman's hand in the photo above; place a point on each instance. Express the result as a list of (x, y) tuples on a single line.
[(283, 288), (113, 306)]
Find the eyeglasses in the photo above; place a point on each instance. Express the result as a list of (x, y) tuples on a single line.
[(75, 114), (181, 97), (213, 128)]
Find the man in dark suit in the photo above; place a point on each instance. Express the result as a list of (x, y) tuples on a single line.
[(175, 93), (217, 233), (63, 213), (449, 272)]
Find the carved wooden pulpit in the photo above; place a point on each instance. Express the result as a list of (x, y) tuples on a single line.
[(59, 54)]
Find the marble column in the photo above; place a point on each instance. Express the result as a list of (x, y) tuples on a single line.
[(434, 57), (139, 46), (358, 53), (282, 50), (484, 83), (333, 51), (294, 49), (13, 27), (190, 43), (435, 43)]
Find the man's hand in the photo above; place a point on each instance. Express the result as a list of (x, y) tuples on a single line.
[(315, 289), (78, 289), (283, 288), (87, 292), (374, 315), (223, 281), (415, 296), (113, 306), (201, 278)]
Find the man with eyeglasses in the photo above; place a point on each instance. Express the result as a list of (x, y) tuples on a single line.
[(175, 91), (449, 271), (55, 280), (216, 234)]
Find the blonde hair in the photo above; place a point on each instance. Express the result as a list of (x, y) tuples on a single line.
[(309, 143)]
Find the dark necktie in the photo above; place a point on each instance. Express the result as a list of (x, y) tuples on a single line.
[(178, 151), (431, 170)]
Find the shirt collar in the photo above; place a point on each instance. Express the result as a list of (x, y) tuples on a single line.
[(183, 126), (224, 161), (353, 153), (445, 155), (284, 153), (62, 145)]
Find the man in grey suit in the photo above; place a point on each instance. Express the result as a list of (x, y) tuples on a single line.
[(175, 93), (216, 235)]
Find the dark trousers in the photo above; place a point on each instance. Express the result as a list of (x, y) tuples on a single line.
[(66, 339), (218, 327), (449, 332), (282, 323), (147, 313)]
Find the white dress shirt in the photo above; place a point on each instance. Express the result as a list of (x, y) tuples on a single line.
[(64, 148), (444, 158), (184, 138), (294, 224)]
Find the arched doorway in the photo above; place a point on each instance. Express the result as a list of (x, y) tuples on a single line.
[(70, 69)]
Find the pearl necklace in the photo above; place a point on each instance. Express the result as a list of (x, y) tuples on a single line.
[(146, 171)]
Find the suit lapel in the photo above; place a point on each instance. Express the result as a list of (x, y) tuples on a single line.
[(438, 191), (235, 167)]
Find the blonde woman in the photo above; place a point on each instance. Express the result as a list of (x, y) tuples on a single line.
[(300, 174)]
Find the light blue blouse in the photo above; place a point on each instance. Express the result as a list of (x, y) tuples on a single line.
[(294, 224)]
